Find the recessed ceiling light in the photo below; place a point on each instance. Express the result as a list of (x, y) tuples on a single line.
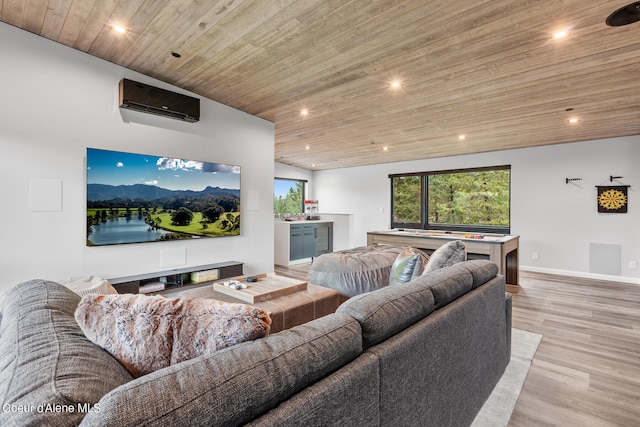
[(307, 147), (385, 148), (313, 165), (573, 120), (560, 35), (304, 112), (462, 137), (119, 29), (395, 84)]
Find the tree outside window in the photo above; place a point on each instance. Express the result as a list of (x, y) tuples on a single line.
[(288, 196), (406, 192)]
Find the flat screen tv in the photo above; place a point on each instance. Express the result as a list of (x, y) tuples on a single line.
[(134, 198)]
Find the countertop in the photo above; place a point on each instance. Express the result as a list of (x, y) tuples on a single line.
[(304, 221)]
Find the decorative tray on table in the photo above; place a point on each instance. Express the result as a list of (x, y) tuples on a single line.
[(268, 286)]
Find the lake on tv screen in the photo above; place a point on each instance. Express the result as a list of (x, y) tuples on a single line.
[(123, 230)]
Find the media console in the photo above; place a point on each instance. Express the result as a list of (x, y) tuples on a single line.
[(499, 248), (169, 279)]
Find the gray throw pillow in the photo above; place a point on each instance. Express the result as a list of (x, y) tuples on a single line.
[(446, 255), (407, 266)]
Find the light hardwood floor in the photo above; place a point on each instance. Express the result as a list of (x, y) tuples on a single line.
[(586, 371)]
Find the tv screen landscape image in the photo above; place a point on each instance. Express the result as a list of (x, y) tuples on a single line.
[(135, 198)]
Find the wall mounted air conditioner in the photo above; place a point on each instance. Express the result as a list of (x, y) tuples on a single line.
[(153, 100)]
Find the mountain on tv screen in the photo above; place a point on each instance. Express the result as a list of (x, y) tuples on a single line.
[(134, 198)]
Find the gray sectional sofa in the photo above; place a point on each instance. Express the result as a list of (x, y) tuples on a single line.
[(428, 352)]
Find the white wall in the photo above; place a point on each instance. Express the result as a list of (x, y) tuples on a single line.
[(55, 103), (559, 221)]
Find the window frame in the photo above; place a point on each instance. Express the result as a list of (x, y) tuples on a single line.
[(424, 203)]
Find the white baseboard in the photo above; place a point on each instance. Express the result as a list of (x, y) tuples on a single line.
[(596, 276)]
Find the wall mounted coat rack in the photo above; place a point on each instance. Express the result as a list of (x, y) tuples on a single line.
[(572, 181), (616, 178)]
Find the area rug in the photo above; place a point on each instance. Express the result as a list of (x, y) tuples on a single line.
[(499, 406)]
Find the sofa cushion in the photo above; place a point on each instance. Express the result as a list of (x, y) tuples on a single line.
[(482, 271), (146, 333), (448, 254), (235, 385), (45, 359), (385, 312), (408, 265), (446, 284)]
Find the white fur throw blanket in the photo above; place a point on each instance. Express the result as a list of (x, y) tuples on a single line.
[(89, 285), (146, 333)]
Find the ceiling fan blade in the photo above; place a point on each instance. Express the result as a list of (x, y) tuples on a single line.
[(625, 15)]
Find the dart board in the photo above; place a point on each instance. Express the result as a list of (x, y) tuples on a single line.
[(612, 199)]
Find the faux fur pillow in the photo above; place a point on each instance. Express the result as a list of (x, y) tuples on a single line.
[(146, 333)]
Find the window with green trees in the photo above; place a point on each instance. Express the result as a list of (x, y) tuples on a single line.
[(288, 196), (476, 200)]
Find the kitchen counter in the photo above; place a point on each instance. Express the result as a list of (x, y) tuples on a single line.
[(303, 221), (301, 241)]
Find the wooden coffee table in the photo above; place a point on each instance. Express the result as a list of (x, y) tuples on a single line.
[(286, 311)]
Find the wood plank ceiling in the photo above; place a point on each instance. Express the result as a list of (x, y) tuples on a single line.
[(488, 69)]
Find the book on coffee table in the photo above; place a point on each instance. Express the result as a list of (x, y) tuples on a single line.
[(267, 287)]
